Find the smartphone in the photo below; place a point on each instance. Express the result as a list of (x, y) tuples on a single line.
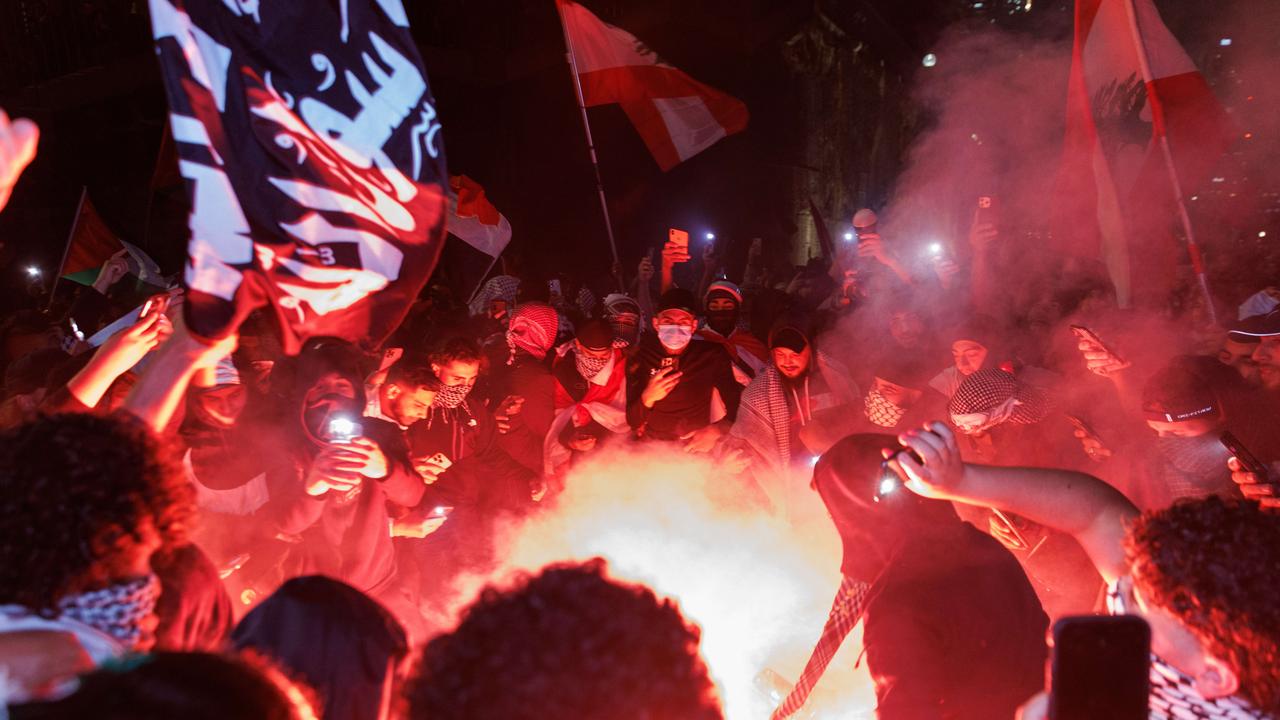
[(986, 212), (1248, 461), (1100, 668), (441, 459), (441, 511), (554, 286), (671, 362), (678, 237), (343, 430), (1085, 333), (75, 329)]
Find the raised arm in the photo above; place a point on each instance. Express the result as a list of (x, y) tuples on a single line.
[(1088, 509), (161, 388)]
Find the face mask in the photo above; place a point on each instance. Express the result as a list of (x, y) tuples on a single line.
[(1200, 457), (723, 321), (588, 365), (882, 412), (451, 396), (674, 337)]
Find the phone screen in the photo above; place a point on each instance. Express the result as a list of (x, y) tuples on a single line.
[(1100, 668)]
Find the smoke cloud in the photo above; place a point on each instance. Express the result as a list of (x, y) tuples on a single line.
[(758, 587)]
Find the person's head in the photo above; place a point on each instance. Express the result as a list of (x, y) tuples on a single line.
[(896, 385), (219, 405), (1180, 400), (989, 398), (791, 350), (906, 327), (191, 686), (973, 343), (1204, 574), (327, 385), (874, 514), (623, 315), (571, 643), (342, 644), (532, 329), (456, 362), (1239, 355), (723, 302), (676, 319), (1263, 331), (409, 390), (84, 502), (592, 347)]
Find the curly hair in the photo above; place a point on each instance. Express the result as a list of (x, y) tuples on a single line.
[(567, 643), (1213, 564), (189, 685), (72, 488)]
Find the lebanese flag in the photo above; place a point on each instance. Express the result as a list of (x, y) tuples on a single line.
[(1116, 203), (474, 220), (677, 116)]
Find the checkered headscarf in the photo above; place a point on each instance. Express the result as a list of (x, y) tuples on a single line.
[(987, 390), (533, 329)]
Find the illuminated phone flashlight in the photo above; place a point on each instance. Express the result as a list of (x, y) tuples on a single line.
[(848, 237), (711, 236), (935, 249), (343, 429), (33, 271), (813, 462)]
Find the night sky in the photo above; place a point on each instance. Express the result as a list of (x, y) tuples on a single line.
[(84, 71)]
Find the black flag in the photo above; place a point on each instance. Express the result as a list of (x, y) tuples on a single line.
[(308, 139)]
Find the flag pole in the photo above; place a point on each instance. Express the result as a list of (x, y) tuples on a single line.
[(483, 277), (591, 147), (66, 250), (1193, 248)]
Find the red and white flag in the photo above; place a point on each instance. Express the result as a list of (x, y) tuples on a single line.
[(1116, 199), (474, 220), (677, 116)]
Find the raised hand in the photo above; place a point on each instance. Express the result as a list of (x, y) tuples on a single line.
[(18, 140), (660, 386)]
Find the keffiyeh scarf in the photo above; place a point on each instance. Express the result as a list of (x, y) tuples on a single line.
[(117, 610), (1173, 694), (533, 329), (998, 395), (882, 412)]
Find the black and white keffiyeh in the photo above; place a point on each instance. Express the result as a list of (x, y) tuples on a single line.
[(117, 610), (998, 394), (1173, 694)]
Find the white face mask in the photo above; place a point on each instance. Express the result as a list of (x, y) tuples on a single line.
[(674, 337)]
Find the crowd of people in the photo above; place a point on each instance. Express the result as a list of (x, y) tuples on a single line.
[(216, 529)]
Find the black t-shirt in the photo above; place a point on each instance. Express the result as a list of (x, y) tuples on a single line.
[(954, 633), (704, 367)]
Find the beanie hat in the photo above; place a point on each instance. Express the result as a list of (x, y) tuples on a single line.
[(678, 299)]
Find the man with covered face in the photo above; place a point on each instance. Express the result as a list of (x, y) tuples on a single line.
[(680, 388), (723, 307), (1004, 421), (333, 478)]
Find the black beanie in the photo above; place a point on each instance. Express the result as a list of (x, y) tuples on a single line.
[(678, 299)]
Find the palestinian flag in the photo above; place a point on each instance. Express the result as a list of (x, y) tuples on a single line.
[(91, 244)]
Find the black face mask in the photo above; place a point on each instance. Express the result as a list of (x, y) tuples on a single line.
[(723, 321), (317, 414)]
